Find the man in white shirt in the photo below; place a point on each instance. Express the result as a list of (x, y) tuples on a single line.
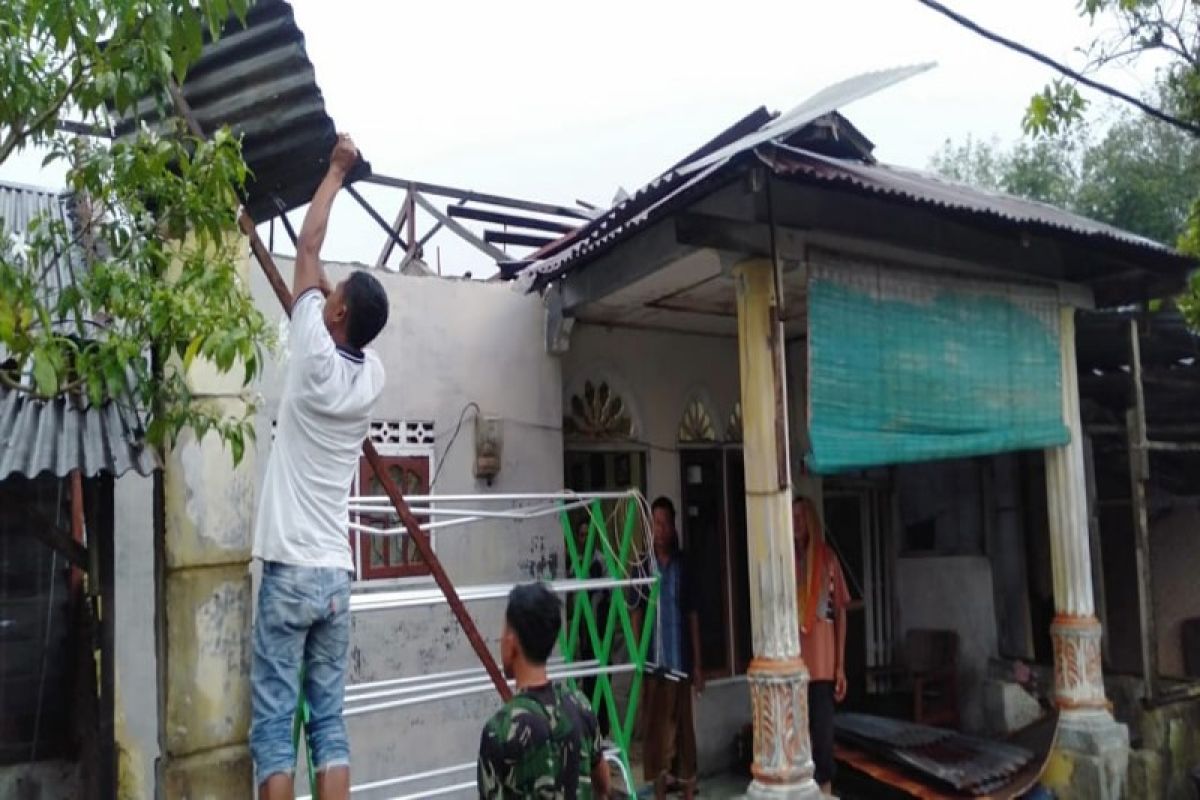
[(303, 623)]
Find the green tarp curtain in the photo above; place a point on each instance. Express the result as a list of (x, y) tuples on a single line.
[(908, 366)]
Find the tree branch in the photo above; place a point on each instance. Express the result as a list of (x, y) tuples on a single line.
[(20, 134)]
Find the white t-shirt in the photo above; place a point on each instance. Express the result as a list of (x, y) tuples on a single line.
[(324, 415)]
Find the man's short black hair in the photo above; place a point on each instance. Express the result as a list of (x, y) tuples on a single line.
[(663, 502), (366, 308), (535, 614)]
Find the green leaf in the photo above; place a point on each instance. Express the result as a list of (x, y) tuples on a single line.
[(237, 447), (193, 348), (44, 376)]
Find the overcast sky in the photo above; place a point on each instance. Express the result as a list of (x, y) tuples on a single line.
[(559, 101)]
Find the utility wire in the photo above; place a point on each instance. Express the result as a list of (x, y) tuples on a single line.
[(1145, 107)]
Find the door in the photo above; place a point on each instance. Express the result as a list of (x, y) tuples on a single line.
[(856, 524), (702, 525)]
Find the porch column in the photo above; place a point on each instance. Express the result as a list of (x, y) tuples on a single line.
[(1093, 749), (203, 603), (783, 766)]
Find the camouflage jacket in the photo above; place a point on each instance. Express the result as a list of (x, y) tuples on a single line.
[(542, 744)]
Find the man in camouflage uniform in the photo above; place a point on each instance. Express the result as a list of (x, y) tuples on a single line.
[(545, 742)]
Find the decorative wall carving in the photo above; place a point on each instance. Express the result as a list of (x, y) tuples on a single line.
[(598, 413)]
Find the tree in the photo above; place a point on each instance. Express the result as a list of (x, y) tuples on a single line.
[(157, 210), (1131, 31), (1140, 175)]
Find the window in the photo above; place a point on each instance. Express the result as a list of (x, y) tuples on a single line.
[(406, 448), (394, 556)]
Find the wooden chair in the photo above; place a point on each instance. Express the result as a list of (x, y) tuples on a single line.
[(928, 669)]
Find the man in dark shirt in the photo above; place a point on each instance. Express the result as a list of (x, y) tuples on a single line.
[(670, 741), (545, 742)]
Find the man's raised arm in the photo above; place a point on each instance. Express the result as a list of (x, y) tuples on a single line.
[(309, 273)]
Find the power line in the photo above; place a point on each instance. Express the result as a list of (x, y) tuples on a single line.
[(1145, 107)]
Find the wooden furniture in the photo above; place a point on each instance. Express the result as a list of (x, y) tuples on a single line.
[(928, 668)]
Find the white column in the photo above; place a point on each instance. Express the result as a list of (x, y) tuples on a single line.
[(778, 680), (1078, 678)]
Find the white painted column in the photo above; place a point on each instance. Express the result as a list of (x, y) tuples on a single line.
[(778, 679), (1079, 682), (1092, 751)]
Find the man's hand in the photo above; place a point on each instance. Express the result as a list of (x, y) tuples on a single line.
[(839, 685), (344, 155), (309, 273)]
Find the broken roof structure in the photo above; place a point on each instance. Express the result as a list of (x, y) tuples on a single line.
[(831, 186)]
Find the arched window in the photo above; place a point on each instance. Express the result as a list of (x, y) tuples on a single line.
[(697, 424)]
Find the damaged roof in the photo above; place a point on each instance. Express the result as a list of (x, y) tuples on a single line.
[(259, 80), (794, 156), (61, 435)]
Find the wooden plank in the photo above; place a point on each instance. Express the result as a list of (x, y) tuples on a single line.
[(18, 521), (390, 243), (104, 530), (1139, 474), (463, 233), (518, 239), (373, 214), (480, 197), (511, 220), (720, 233)]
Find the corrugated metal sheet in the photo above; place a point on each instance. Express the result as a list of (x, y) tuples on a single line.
[(57, 436), (967, 763), (685, 183), (258, 80), (933, 190), (19, 206)]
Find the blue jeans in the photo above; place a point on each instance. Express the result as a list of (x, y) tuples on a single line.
[(303, 621)]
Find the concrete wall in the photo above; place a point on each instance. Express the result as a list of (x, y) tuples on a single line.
[(657, 373), (136, 660), (41, 780), (1175, 559), (447, 344), (955, 593)]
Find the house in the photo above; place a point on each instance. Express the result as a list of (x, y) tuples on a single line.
[(624, 368), (777, 310)]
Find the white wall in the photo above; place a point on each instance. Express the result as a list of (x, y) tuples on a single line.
[(136, 659), (657, 373), (449, 343)]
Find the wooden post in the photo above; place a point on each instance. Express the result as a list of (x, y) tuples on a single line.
[(1139, 473)]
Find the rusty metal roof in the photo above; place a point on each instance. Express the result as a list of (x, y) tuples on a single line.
[(258, 80), (968, 764), (58, 436)]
